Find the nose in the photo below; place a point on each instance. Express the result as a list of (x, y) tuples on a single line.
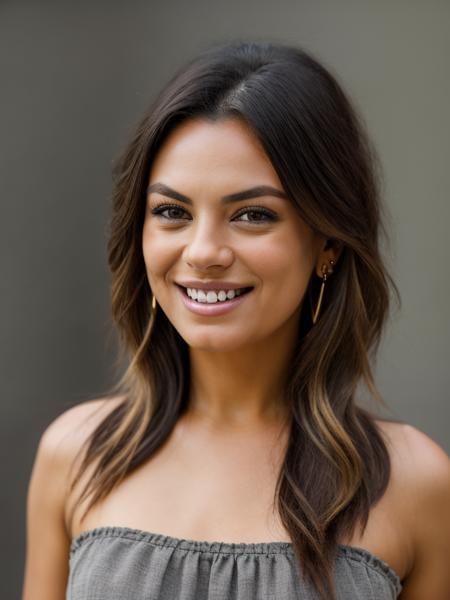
[(207, 247)]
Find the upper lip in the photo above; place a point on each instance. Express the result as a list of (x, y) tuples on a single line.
[(211, 285)]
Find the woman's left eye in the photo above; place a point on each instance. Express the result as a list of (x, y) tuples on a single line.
[(270, 216)]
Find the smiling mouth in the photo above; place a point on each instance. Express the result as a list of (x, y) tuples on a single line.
[(212, 297)]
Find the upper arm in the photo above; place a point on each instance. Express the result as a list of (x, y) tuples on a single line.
[(47, 543), (47, 538), (430, 490)]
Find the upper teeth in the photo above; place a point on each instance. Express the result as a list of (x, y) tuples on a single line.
[(212, 295)]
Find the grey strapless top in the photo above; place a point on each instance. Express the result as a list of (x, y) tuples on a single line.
[(120, 563)]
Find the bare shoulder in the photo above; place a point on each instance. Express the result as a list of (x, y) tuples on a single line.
[(62, 440), (428, 456), (422, 460), (421, 470), (427, 474), (65, 435), (419, 464), (79, 419)]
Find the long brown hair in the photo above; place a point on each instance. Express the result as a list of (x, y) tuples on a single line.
[(336, 464)]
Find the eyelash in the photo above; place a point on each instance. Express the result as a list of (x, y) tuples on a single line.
[(158, 210)]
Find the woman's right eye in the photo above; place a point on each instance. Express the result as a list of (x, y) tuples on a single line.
[(174, 211)]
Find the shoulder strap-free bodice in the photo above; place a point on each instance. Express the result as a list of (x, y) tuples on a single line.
[(122, 563)]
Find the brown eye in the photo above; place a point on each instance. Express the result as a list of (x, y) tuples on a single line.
[(174, 211), (254, 215)]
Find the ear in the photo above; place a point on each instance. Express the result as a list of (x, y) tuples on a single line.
[(329, 250)]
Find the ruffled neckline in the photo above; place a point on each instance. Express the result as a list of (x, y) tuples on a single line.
[(233, 548)]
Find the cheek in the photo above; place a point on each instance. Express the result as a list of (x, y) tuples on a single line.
[(158, 253), (284, 262)]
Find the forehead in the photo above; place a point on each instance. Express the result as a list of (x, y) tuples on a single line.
[(221, 148)]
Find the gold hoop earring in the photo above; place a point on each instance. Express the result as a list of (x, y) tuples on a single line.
[(153, 304), (325, 272)]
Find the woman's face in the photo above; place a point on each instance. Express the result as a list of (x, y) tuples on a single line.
[(257, 240)]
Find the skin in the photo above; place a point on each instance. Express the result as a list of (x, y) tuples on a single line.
[(214, 478), (238, 359)]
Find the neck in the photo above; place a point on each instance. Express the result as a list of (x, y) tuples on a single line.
[(241, 388)]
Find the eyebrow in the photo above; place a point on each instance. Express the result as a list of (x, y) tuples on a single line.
[(254, 192)]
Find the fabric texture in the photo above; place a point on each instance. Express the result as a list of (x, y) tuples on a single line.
[(120, 563)]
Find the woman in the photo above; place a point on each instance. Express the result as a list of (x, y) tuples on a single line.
[(232, 459)]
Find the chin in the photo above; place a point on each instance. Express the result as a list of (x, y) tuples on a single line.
[(210, 342)]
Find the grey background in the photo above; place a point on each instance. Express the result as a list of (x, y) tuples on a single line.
[(75, 77)]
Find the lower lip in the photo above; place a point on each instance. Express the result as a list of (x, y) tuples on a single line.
[(211, 310)]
